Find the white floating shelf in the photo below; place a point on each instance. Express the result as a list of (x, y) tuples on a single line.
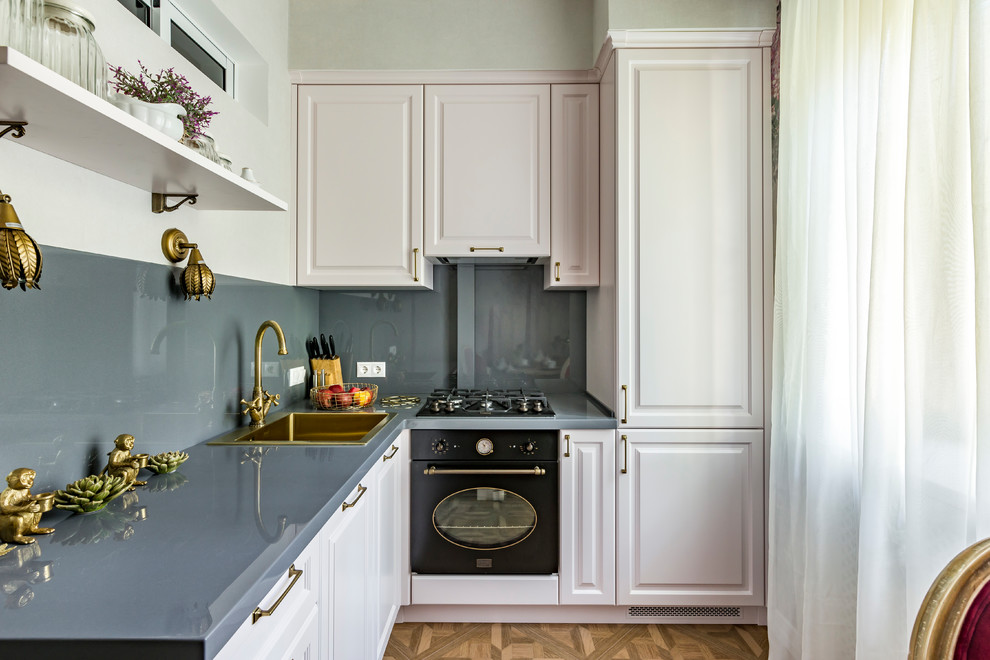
[(70, 123)]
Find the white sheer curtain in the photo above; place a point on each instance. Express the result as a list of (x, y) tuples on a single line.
[(880, 442)]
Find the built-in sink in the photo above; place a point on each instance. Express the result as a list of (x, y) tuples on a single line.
[(309, 429)]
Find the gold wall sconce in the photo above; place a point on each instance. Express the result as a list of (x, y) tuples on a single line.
[(197, 278), (20, 256)]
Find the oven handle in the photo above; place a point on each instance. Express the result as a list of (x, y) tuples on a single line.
[(534, 472)]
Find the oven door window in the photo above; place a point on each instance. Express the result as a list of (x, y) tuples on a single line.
[(484, 518)]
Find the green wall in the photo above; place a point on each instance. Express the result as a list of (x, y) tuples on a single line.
[(490, 34), (439, 34)]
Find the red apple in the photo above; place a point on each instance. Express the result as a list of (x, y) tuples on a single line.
[(354, 389), (336, 389)]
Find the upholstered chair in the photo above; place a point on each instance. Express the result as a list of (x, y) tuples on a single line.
[(953, 622)]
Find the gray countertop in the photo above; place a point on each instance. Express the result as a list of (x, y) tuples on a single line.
[(182, 561)]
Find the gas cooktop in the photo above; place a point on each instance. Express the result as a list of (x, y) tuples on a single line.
[(478, 403)]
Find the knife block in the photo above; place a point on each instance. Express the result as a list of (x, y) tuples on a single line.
[(332, 369)]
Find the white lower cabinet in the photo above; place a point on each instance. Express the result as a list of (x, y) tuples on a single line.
[(282, 625), (362, 559), (587, 518), (348, 555), (342, 595), (388, 542), (690, 517)]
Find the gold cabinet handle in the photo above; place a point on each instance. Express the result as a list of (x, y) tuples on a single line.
[(295, 574), (361, 491), (625, 454), (395, 450), (479, 249), (556, 272), (415, 264), (625, 405), (567, 451)]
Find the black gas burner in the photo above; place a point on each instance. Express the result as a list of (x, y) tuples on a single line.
[(499, 402)]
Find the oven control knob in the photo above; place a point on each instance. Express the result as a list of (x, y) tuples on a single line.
[(440, 446), (485, 446), (528, 448)]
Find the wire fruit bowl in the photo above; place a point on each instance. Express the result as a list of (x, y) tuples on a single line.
[(325, 398)]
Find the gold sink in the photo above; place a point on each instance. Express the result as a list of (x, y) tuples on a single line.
[(308, 429)]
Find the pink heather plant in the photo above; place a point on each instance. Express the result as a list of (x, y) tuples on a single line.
[(166, 86)]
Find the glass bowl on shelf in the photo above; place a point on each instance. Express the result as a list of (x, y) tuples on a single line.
[(69, 48)]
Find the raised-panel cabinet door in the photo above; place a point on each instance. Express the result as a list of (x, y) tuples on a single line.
[(573, 187), (690, 517), (691, 214), (587, 517), (359, 210), (487, 178), (350, 558), (389, 504)]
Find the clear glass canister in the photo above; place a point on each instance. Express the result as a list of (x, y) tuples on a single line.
[(20, 25), (69, 48)]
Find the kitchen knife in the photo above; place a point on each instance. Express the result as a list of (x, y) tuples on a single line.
[(325, 346), (313, 347), (333, 349)]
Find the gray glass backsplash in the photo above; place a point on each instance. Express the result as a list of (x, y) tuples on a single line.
[(523, 336), (413, 332), (108, 346)]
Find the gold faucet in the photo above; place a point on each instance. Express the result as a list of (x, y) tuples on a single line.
[(261, 400)]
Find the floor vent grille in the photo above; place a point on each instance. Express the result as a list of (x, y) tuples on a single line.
[(686, 611)]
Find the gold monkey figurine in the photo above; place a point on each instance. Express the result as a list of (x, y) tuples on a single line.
[(121, 463), (20, 511)]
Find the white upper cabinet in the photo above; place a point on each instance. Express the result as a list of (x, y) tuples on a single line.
[(359, 208), (573, 187), (690, 214), (487, 177)]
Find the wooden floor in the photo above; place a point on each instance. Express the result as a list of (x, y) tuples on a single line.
[(557, 641)]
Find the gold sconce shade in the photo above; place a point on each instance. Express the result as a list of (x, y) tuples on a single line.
[(20, 256), (197, 278)]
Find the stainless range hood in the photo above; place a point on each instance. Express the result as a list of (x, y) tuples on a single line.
[(481, 261)]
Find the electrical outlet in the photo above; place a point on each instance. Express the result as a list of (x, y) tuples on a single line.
[(297, 376), (371, 369), (267, 368)]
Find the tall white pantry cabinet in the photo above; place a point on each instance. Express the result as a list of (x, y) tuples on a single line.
[(678, 329)]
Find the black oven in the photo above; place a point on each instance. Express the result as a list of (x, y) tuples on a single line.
[(484, 502)]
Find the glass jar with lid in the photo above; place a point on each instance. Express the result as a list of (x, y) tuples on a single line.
[(20, 25), (69, 48)]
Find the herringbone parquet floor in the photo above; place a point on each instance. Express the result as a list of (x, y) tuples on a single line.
[(559, 641)]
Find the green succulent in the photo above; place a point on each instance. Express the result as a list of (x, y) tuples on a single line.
[(167, 462), (91, 493)]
